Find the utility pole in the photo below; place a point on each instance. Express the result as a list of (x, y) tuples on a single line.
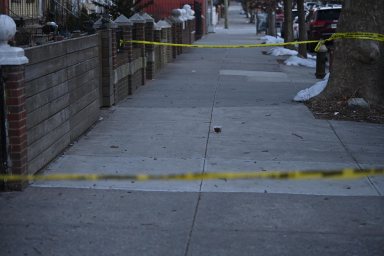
[(226, 14), (272, 18)]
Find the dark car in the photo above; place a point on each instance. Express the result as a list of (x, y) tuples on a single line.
[(310, 5), (322, 23)]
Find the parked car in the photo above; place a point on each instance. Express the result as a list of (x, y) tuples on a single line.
[(310, 5), (332, 5), (322, 23)]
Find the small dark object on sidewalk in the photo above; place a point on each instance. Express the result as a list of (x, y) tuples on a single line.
[(217, 129)]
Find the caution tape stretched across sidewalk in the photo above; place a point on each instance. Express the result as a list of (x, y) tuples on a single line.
[(352, 35), (336, 36), (286, 175), (213, 46)]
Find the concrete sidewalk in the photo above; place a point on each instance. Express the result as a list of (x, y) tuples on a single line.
[(167, 127), (57, 221)]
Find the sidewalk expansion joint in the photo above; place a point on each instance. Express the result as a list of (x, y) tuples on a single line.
[(204, 166), (353, 158)]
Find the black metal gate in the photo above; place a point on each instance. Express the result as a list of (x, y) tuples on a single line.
[(3, 131)]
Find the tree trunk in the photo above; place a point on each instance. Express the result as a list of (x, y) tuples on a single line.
[(358, 65), (272, 18), (302, 30), (288, 25), (226, 14)]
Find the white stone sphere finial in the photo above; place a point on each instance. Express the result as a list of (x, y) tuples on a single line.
[(189, 12), (183, 15), (187, 7), (7, 29), (9, 55)]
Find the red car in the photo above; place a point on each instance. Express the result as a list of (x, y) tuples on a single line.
[(322, 23)]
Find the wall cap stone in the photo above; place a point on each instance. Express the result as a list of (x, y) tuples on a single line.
[(157, 27), (164, 24), (123, 21), (147, 17), (103, 23), (137, 18)]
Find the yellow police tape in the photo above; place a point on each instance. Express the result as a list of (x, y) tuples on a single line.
[(352, 35), (348, 35), (347, 173)]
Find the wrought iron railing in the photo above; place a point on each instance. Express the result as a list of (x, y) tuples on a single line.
[(44, 10), (25, 9)]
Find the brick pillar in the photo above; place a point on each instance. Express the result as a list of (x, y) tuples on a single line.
[(164, 49), (139, 34), (107, 30), (108, 97), (166, 37), (185, 28), (114, 47), (150, 49), (169, 49), (179, 36), (125, 25), (192, 30), (159, 59), (193, 33), (178, 30), (12, 60), (157, 36), (174, 39), (128, 48), (189, 17), (17, 123), (188, 25)]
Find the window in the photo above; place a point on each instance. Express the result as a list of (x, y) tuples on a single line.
[(331, 14)]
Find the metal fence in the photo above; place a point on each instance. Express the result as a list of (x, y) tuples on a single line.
[(25, 9), (38, 21), (32, 11)]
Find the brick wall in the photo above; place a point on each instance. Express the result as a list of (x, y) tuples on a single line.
[(56, 97), (61, 94), (17, 125)]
